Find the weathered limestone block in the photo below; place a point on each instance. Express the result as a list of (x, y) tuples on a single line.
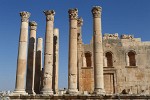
[(86, 82), (111, 36), (125, 36)]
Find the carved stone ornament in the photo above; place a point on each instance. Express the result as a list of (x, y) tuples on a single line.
[(33, 25), (80, 21), (126, 36), (25, 16), (111, 36), (73, 14), (49, 15), (96, 11)]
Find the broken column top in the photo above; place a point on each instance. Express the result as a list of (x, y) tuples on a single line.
[(33, 25), (25, 16), (49, 12), (56, 31), (96, 11), (73, 13), (80, 21), (40, 38)]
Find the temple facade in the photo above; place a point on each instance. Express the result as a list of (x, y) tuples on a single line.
[(125, 63)]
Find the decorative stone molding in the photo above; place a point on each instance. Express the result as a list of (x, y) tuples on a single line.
[(73, 14), (49, 15), (33, 25), (125, 36), (80, 22), (25, 16), (96, 11), (111, 36)]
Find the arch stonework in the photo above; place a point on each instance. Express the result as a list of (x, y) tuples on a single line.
[(109, 59), (131, 57), (88, 57)]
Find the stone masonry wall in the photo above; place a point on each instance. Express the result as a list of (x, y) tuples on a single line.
[(122, 76)]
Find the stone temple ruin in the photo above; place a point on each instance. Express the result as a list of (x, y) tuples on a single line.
[(108, 65), (37, 80)]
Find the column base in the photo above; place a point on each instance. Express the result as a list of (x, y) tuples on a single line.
[(73, 91), (19, 92), (47, 92), (30, 92), (99, 91)]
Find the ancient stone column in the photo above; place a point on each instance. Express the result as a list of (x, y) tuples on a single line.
[(55, 60), (38, 67), (97, 51), (79, 30), (48, 53), (79, 49), (79, 41), (31, 58), (72, 66), (22, 54)]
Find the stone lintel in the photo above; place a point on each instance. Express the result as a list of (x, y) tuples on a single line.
[(25, 16), (73, 14), (96, 11)]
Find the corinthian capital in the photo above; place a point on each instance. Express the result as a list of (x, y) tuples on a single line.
[(73, 13), (49, 15), (80, 22), (33, 25), (96, 11), (25, 16)]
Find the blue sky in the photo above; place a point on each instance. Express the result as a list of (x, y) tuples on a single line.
[(118, 16)]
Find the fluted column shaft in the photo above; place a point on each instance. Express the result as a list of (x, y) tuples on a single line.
[(22, 54), (48, 53), (98, 51), (72, 70), (38, 67), (56, 60)]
